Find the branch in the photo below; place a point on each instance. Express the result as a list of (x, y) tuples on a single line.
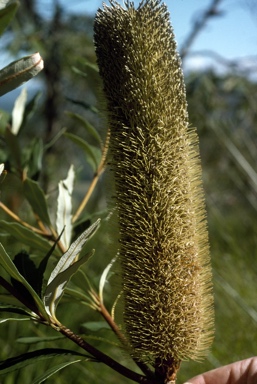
[(199, 24), (95, 180), (16, 218), (102, 357)]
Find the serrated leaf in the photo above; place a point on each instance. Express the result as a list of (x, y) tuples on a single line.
[(11, 269), (68, 258), (21, 361), (88, 127), (20, 71), (27, 237), (50, 372), (7, 12), (18, 111), (64, 207), (93, 154), (35, 196), (55, 289)]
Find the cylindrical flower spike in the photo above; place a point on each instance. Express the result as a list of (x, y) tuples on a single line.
[(163, 236)]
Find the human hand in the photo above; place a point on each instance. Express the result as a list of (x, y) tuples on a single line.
[(240, 372)]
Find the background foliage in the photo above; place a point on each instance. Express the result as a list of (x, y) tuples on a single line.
[(223, 109)]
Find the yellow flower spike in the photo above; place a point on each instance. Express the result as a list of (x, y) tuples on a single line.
[(155, 158)]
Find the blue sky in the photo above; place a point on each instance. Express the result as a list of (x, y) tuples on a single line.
[(233, 36)]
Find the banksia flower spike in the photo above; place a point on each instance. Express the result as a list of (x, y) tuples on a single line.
[(164, 249)]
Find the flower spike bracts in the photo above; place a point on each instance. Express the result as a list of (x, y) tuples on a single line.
[(164, 249)]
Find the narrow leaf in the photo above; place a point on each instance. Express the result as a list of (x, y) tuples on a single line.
[(32, 157), (27, 236), (27, 269), (7, 12), (95, 325), (50, 372), (43, 264), (18, 111), (55, 289), (25, 359), (10, 268), (88, 127), (26, 299), (84, 105), (64, 207), (68, 258), (35, 340), (14, 309), (13, 319), (103, 278), (19, 72), (93, 154), (35, 196), (14, 148)]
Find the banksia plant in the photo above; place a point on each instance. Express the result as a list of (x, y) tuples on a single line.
[(166, 275)]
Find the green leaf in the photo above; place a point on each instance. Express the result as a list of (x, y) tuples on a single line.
[(64, 207), (95, 325), (19, 72), (50, 372), (35, 340), (14, 309), (32, 157), (30, 108), (7, 12), (43, 264), (90, 65), (27, 237), (13, 319), (21, 361), (35, 196), (14, 148), (84, 105), (27, 299), (18, 111), (4, 120), (93, 154), (55, 289), (68, 258), (88, 127), (11, 269), (65, 269), (26, 267)]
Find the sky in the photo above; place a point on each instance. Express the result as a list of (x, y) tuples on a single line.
[(233, 35)]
